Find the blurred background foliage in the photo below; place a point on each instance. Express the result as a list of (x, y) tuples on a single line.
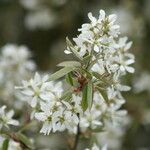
[(42, 25)]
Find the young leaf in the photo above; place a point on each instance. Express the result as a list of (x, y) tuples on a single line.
[(96, 75), (103, 93), (69, 79), (84, 103), (90, 94), (86, 58), (84, 71), (60, 73), (5, 144), (67, 95), (72, 49), (87, 98), (69, 64)]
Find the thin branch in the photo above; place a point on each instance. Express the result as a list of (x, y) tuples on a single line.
[(77, 137)]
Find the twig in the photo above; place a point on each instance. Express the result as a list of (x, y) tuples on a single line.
[(77, 137)]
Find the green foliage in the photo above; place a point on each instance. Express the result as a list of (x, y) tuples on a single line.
[(73, 50), (61, 73), (87, 97), (84, 102), (25, 140), (69, 64), (5, 144)]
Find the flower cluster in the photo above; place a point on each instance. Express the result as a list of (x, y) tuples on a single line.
[(45, 97), (113, 135), (14, 67), (101, 113), (94, 97), (39, 15), (100, 38), (6, 118), (141, 83), (110, 60)]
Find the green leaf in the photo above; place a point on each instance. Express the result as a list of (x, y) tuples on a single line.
[(86, 58), (90, 94), (87, 73), (69, 79), (96, 75), (5, 144), (84, 102), (67, 95), (61, 73), (25, 140), (99, 129), (100, 80), (103, 93), (73, 50), (69, 64), (87, 97)]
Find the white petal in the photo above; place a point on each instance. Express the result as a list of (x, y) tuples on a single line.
[(40, 116), (102, 14), (123, 88), (13, 122), (10, 114), (96, 48), (45, 129), (67, 51), (37, 77), (130, 69), (112, 18), (27, 92), (122, 68), (93, 19), (104, 147), (128, 46), (34, 101), (45, 78), (130, 61)]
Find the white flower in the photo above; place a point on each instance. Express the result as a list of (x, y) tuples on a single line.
[(115, 97), (15, 65), (40, 19), (91, 119), (124, 64), (117, 85), (112, 135), (95, 147), (30, 4), (94, 35), (56, 117), (99, 67), (47, 117), (102, 112), (75, 105), (40, 89), (107, 60), (6, 118), (72, 120), (141, 83), (16, 58), (122, 44)]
